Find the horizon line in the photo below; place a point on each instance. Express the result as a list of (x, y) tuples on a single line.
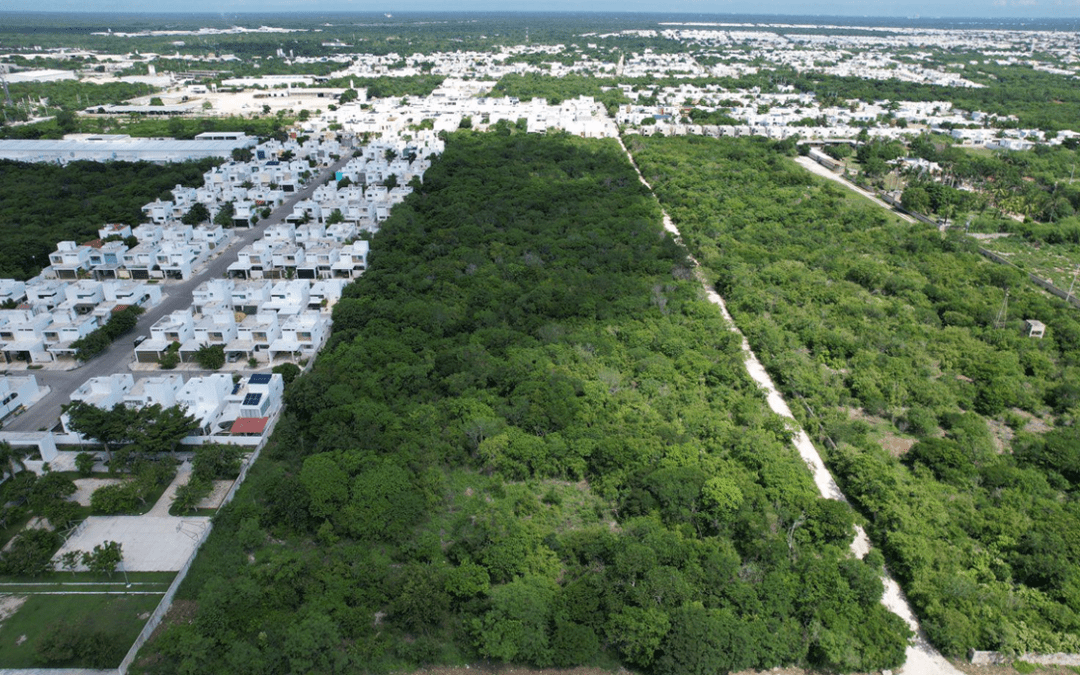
[(501, 11)]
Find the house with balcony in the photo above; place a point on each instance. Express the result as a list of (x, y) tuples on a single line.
[(325, 293), (141, 261), (305, 211), (69, 260), (126, 292), (44, 296), (254, 261), (204, 399), (107, 259), (158, 211), (83, 296), (209, 236), (156, 390), (301, 336), (340, 233), (288, 257), (288, 298), (352, 260), (12, 292), (212, 292), (176, 259), (66, 329), (248, 297), (216, 328), (318, 262), (22, 336), (254, 335), (176, 327)]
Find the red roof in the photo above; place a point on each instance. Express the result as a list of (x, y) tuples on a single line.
[(249, 425)]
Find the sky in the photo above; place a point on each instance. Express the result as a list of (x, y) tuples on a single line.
[(896, 8)]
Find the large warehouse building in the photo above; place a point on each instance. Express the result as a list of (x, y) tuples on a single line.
[(119, 147)]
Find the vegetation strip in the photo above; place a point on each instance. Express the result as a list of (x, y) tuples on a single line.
[(899, 346)]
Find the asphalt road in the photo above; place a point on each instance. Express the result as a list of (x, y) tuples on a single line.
[(116, 359)]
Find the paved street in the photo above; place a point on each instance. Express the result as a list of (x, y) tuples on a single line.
[(120, 354)]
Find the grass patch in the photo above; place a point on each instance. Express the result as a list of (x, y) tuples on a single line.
[(117, 617), (53, 582), (1054, 262)]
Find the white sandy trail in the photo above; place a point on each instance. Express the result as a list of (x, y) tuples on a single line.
[(922, 658)]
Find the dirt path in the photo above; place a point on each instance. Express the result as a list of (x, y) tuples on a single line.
[(922, 658), (815, 168)]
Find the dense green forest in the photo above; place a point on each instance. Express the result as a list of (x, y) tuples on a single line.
[(41, 204), (269, 126), (953, 432), (530, 439)]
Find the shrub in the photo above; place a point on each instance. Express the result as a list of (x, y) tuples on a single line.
[(113, 499), (84, 462)]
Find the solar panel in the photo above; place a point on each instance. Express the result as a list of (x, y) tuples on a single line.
[(259, 378), (252, 399), (236, 388)]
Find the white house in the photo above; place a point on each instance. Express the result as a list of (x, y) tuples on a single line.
[(16, 392), (204, 398), (69, 260), (103, 392)]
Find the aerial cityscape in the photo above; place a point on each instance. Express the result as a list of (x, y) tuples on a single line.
[(344, 341)]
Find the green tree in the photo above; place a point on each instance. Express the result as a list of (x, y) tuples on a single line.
[(198, 213), (210, 357), (11, 458), (84, 463), (288, 371), (104, 558), (108, 427), (224, 216), (916, 199)]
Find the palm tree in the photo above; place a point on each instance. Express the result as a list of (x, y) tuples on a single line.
[(11, 458)]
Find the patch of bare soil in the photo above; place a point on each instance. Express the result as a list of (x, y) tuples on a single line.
[(1035, 425), (9, 604), (896, 446), (1004, 669), (1001, 434), (217, 495), (181, 612), (84, 487)]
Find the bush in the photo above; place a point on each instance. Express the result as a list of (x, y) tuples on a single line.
[(210, 357), (84, 462), (187, 496), (113, 499), (67, 644), (288, 372), (30, 554), (217, 461)]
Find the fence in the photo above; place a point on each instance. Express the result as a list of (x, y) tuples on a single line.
[(1038, 281), (164, 605)]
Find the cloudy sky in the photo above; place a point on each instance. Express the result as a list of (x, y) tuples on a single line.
[(924, 8)]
